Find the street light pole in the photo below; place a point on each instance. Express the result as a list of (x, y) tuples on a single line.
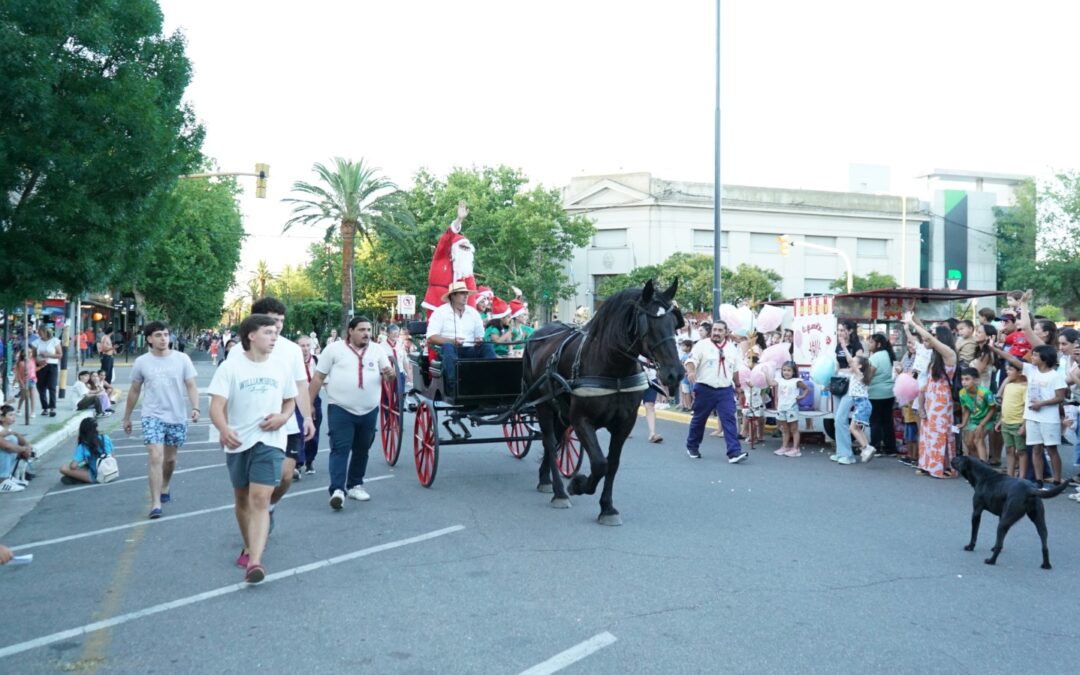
[(828, 249), (717, 189)]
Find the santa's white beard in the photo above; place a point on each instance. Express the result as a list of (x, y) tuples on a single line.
[(462, 258)]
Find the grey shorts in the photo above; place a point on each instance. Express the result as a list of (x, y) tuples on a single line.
[(260, 464), (788, 415)]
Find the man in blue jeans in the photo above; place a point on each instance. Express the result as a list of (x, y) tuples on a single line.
[(353, 370), (458, 330), (712, 370)]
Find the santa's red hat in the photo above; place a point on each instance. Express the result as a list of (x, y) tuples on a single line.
[(452, 261), (482, 292), (499, 308), (518, 308)]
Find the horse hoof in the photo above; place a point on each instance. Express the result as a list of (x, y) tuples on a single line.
[(1047, 566), (611, 519), (545, 488), (560, 503)]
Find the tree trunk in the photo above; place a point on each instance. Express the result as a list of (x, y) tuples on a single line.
[(348, 254)]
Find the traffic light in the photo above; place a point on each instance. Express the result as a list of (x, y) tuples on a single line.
[(785, 244), (262, 172)]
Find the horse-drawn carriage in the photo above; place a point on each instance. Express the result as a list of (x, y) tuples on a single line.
[(569, 383), (488, 392)]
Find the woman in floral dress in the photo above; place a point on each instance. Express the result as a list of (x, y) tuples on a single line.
[(937, 443)]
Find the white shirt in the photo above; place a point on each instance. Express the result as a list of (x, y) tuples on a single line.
[(288, 354), (1040, 387), (253, 391), (51, 346), (341, 365), (787, 393), (469, 326), (400, 351), (708, 369)]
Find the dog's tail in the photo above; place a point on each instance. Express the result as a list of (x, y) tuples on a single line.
[(1052, 492)]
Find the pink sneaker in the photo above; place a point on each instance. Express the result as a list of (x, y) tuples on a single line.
[(781, 452), (793, 452), (243, 560)]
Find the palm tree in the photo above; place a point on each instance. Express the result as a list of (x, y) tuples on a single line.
[(261, 277), (357, 200)]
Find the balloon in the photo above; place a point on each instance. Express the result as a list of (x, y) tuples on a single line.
[(769, 318), (744, 375), (728, 314), (758, 377), (777, 355), (824, 369), (745, 316), (905, 389)]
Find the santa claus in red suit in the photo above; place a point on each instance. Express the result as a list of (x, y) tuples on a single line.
[(453, 261)]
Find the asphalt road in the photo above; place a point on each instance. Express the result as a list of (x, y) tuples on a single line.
[(775, 565)]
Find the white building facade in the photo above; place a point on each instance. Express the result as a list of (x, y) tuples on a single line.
[(641, 220)]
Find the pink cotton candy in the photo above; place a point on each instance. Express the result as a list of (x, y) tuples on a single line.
[(905, 389), (769, 318), (777, 355), (759, 378)]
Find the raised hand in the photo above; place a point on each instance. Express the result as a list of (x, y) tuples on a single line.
[(462, 210)]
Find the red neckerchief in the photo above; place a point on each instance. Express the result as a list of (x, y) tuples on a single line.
[(393, 349), (360, 357), (307, 371), (721, 368)]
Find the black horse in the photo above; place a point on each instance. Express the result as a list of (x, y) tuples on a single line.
[(596, 381)]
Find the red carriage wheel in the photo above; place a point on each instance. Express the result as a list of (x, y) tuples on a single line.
[(390, 427), (568, 454), (516, 427), (426, 443)]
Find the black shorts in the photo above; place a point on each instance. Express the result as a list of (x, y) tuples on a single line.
[(293, 446)]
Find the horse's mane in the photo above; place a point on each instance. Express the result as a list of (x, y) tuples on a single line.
[(612, 328)]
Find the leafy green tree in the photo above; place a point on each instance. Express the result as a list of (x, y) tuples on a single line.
[(695, 275), (202, 230), (523, 237), (261, 277), (352, 198), (869, 282), (93, 135), (1039, 242), (1051, 312), (292, 286), (1017, 233)]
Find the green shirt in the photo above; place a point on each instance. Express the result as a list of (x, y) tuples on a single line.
[(881, 385), (489, 336), (978, 404)]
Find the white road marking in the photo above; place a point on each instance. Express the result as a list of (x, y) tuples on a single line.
[(124, 480), (190, 514), (568, 657), (179, 452), (20, 647)]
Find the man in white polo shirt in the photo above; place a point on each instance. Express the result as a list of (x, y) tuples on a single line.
[(353, 369), (458, 330), (711, 369)]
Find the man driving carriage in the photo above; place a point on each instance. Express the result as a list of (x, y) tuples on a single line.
[(458, 330)]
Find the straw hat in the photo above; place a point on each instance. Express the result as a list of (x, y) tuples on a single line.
[(456, 287)]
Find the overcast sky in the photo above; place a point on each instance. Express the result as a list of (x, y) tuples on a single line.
[(560, 89)]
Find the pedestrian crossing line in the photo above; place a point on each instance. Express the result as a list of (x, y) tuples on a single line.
[(95, 626), (178, 516), (125, 480), (179, 452), (572, 655)]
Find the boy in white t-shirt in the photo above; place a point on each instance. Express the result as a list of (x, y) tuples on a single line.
[(251, 399), (1046, 389)]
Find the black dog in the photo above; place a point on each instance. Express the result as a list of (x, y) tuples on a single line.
[(1008, 498)]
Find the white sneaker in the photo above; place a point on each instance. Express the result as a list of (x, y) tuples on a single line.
[(10, 485), (359, 494), (867, 453), (337, 500)]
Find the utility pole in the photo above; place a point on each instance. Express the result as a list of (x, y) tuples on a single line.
[(717, 189), (262, 172)]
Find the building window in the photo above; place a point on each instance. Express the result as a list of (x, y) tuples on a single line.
[(764, 243), (819, 241), (609, 239), (873, 248), (704, 239), (817, 287)]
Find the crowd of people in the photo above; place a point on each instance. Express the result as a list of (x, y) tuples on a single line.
[(1003, 389)]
